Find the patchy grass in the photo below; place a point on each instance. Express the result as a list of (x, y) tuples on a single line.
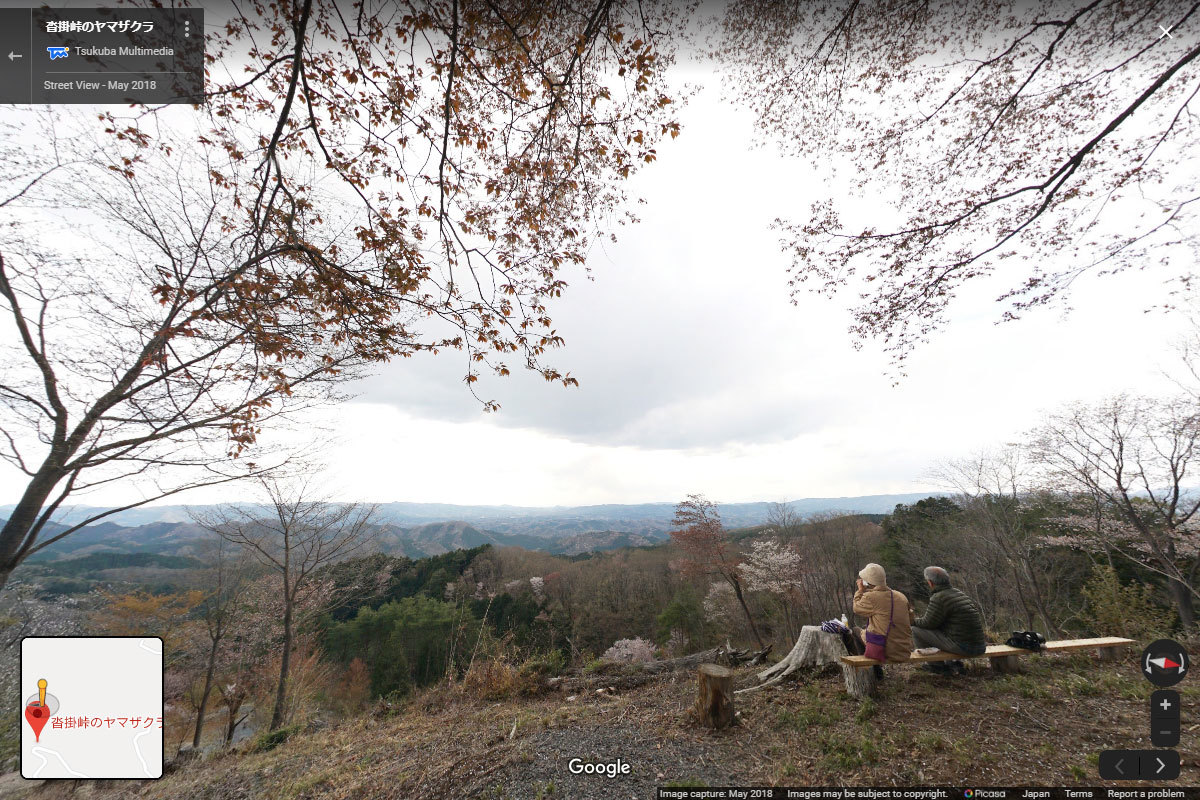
[(844, 752), (931, 741), (1045, 727), (272, 739), (808, 716), (866, 710)]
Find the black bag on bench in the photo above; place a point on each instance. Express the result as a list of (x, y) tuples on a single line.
[(1027, 640)]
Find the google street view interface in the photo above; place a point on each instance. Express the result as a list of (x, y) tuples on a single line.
[(599, 399)]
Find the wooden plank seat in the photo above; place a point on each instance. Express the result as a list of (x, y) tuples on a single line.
[(1004, 657)]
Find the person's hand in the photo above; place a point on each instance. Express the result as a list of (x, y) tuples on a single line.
[(859, 583)]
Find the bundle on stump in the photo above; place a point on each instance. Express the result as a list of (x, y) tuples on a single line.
[(714, 696), (816, 648)]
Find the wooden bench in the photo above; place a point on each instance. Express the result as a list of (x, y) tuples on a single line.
[(1004, 658)]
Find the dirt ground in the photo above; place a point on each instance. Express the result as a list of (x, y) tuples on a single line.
[(1044, 727)]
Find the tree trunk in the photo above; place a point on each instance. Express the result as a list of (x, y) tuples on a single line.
[(232, 722), (714, 700), (737, 590), (281, 689), (22, 520), (208, 681), (1182, 596)]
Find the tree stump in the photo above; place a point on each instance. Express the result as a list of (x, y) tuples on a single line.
[(714, 698), (1110, 653), (1006, 664), (815, 648), (860, 683)]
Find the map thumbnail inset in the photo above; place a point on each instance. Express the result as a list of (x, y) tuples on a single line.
[(92, 707)]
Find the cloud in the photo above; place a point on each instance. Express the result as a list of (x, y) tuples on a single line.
[(684, 339)]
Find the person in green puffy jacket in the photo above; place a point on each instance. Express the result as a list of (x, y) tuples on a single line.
[(952, 622)]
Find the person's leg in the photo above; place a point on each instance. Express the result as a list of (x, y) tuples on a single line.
[(929, 637), (977, 650)]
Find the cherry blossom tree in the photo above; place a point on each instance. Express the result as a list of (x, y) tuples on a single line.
[(708, 550), (778, 570)]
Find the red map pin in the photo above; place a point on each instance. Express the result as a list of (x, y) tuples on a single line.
[(38, 712)]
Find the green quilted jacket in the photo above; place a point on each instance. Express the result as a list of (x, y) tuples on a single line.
[(954, 614)]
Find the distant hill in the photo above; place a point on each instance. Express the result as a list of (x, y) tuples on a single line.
[(417, 530), (96, 562), (436, 538), (594, 541), (162, 538), (552, 521), (172, 545)]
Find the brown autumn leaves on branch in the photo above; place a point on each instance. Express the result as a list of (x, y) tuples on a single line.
[(477, 150), (1037, 142), (485, 144)]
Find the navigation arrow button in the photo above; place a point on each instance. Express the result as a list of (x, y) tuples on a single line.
[(1118, 765), (12, 55), (1162, 765)]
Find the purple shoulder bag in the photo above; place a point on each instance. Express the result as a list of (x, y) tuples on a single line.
[(877, 643)]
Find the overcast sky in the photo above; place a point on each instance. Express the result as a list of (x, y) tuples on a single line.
[(698, 375)]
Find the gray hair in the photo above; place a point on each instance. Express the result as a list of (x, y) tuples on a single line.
[(937, 576)]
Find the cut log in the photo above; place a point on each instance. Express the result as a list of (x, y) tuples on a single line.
[(628, 676), (760, 656), (714, 696), (724, 655)]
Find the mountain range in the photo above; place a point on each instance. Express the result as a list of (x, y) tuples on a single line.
[(424, 529), (576, 517), (418, 541)]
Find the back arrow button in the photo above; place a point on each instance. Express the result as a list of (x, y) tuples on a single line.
[(12, 56), (1116, 765)]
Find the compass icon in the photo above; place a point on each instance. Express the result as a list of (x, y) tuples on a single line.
[(1164, 662)]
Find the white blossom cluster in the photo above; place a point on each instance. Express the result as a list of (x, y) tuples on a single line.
[(630, 651), (772, 567)]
